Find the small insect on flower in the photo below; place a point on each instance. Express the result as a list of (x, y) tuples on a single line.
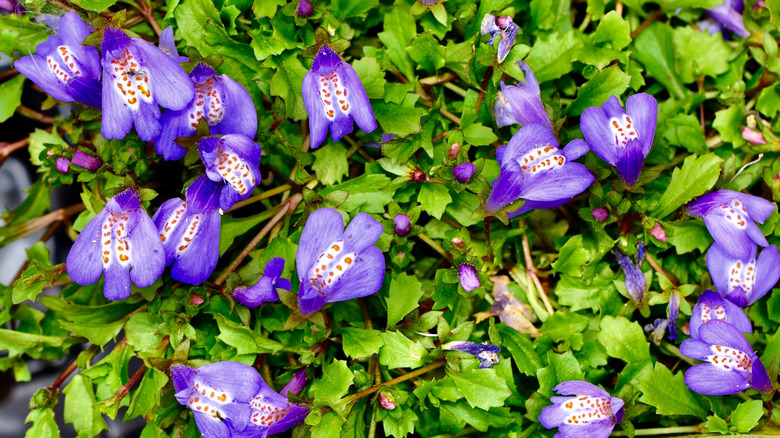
[(337, 264), (503, 28), (712, 306), (486, 353), (120, 242), (535, 169), (137, 77), (729, 217), (622, 138), (521, 104), (731, 364), (743, 282), (234, 159), (64, 68), (588, 412), (265, 288), (334, 96)]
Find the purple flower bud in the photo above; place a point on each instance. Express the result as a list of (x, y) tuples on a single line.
[(305, 9), (296, 383), (468, 278), (452, 152), (402, 224), (658, 232), (418, 175), (503, 22), (463, 172), (753, 136), (87, 161), (600, 213), (196, 300), (63, 165), (386, 400), (457, 242), (11, 6), (427, 2), (636, 284)]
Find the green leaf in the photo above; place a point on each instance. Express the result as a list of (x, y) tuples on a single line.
[(613, 29), (359, 343), (405, 292), (624, 340), (334, 383), (606, 83), (434, 198), (653, 48), (716, 424), (266, 8), (287, 83), (668, 393), (482, 388), (479, 135), (552, 56), (347, 8), (371, 75), (521, 348), (427, 52), (561, 368), (10, 96), (692, 61), (80, 408), (747, 414), (331, 163), (369, 193), (40, 141), (695, 178), (685, 131), (95, 5), (769, 101), (399, 29), (400, 120), (148, 394), (728, 122), (401, 352), (44, 424), (243, 339), (687, 236)]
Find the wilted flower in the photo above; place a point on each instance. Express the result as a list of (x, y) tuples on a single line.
[(337, 264), (231, 399), (661, 326), (658, 232), (712, 306), (64, 68), (636, 283), (728, 15), (334, 97), (87, 161), (591, 412), (221, 101), (511, 311), (120, 242), (535, 169), (503, 28), (386, 400), (729, 217), (486, 353), (622, 138), (403, 225), (522, 103), (168, 45), (190, 231), (234, 159), (265, 288), (463, 172), (753, 136), (600, 214), (304, 9), (732, 365), (62, 165), (467, 276), (137, 77), (743, 281)]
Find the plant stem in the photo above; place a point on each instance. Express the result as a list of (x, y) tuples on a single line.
[(456, 89), (257, 198), (35, 115), (418, 372), (524, 283), (657, 268), (664, 431), (530, 269), (482, 87), (146, 11), (72, 366), (656, 15), (435, 246), (122, 392)]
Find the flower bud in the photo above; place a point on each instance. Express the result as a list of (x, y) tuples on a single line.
[(658, 232), (457, 242), (452, 152), (196, 300), (600, 214), (753, 136), (87, 161), (305, 9), (402, 224), (428, 2), (418, 175), (63, 165), (463, 172), (504, 22), (386, 400), (467, 275)]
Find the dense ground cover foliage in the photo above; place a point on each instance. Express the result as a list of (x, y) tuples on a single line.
[(375, 218)]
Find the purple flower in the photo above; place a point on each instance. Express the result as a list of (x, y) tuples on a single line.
[(463, 172), (11, 6), (231, 399), (190, 231), (636, 283), (224, 104), (622, 138), (265, 288), (600, 214), (168, 45), (535, 169), (753, 136), (729, 15), (522, 103), (591, 412), (63, 67), (120, 242), (712, 306), (743, 281), (403, 225), (467, 276), (428, 2), (502, 27), (296, 383), (87, 161), (661, 326), (137, 77), (304, 9), (234, 159), (729, 217), (334, 96), (335, 264), (732, 365), (63, 165), (486, 353)]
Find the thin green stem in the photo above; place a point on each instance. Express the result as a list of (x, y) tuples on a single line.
[(520, 277), (418, 372), (436, 247), (664, 431)]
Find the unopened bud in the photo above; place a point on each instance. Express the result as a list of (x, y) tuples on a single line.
[(305, 9), (467, 275), (196, 300), (419, 176), (402, 224), (463, 172), (600, 214), (658, 232), (503, 23), (87, 161), (753, 136), (457, 242), (386, 401), (63, 165), (452, 152)]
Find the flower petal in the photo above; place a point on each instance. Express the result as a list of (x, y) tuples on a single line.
[(760, 379), (309, 299), (34, 68), (718, 263), (182, 377), (174, 124), (116, 282), (364, 278), (84, 264), (718, 332), (117, 120), (630, 161), (592, 430), (362, 112), (196, 264), (171, 86), (529, 137), (564, 183), (241, 382), (147, 120), (575, 149), (733, 240), (211, 427), (758, 208), (361, 233), (323, 227), (506, 188), (766, 274), (594, 124), (710, 380), (240, 113), (318, 122), (147, 253), (643, 110)]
